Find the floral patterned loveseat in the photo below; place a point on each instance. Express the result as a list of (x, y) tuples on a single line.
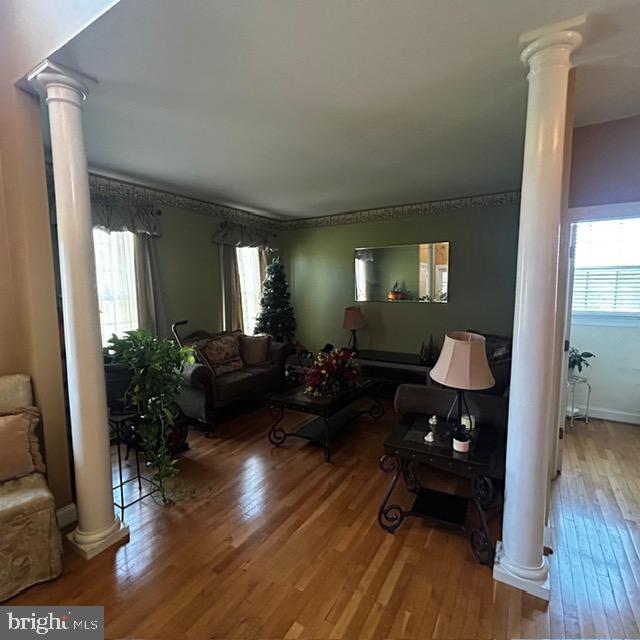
[(30, 547)]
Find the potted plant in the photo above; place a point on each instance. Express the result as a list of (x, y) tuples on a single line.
[(155, 368), (578, 359)]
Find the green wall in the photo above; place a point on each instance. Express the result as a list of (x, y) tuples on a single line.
[(396, 264), (189, 266), (482, 272)]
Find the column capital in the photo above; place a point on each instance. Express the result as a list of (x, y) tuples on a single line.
[(551, 48), (55, 82)]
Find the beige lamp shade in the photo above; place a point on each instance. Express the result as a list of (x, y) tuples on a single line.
[(353, 318), (463, 362)]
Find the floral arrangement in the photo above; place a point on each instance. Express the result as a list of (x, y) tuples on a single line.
[(332, 372)]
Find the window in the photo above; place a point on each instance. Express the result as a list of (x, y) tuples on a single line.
[(607, 268), (250, 285), (361, 280), (115, 271)]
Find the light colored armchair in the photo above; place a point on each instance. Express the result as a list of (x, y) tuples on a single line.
[(30, 547)]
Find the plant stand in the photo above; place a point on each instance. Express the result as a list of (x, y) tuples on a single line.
[(573, 381), (124, 428)]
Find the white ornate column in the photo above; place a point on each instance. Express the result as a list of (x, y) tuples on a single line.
[(98, 527), (519, 560)]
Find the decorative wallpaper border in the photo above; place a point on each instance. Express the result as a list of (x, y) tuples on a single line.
[(405, 211), (120, 188), (105, 185)]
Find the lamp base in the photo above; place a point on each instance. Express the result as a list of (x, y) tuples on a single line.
[(353, 342), (458, 401)]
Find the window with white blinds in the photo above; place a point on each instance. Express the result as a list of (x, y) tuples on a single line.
[(607, 268)]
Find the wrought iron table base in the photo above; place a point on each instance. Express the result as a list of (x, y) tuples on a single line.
[(320, 429), (440, 506)]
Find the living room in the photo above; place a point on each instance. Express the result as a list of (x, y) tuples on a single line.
[(200, 158)]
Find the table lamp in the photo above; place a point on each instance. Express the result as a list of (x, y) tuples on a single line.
[(353, 320), (463, 366)]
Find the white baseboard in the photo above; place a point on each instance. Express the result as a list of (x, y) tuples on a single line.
[(602, 413), (67, 515)]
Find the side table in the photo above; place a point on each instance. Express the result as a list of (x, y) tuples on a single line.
[(483, 467)]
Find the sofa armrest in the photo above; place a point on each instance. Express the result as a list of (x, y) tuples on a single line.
[(198, 376), (198, 393), (423, 399), (279, 353)]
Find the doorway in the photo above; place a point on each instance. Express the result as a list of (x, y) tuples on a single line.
[(604, 329)]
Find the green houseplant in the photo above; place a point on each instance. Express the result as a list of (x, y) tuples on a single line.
[(155, 365), (578, 359)]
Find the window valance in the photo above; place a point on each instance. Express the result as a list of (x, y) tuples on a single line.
[(113, 213), (239, 235), (117, 214)]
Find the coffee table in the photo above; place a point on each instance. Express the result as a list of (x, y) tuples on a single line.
[(333, 413)]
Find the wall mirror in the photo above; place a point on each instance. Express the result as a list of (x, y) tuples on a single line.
[(403, 273)]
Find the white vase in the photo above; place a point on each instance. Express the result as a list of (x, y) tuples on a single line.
[(461, 446)]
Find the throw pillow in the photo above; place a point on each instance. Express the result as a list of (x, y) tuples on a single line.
[(198, 349), (19, 448), (196, 341), (15, 391), (222, 353), (255, 349)]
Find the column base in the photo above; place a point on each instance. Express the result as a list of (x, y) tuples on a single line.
[(117, 534), (538, 588)]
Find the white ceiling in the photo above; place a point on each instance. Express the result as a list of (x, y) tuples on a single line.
[(297, 108)]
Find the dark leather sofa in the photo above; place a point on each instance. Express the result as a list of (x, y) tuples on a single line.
[(203, 393)]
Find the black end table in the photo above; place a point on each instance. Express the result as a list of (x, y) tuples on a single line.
[(333, 413), (483, 466)]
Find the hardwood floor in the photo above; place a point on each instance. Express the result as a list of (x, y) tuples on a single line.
[(279, 544)]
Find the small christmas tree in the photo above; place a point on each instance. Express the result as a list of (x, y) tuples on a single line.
[(276, 315)]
